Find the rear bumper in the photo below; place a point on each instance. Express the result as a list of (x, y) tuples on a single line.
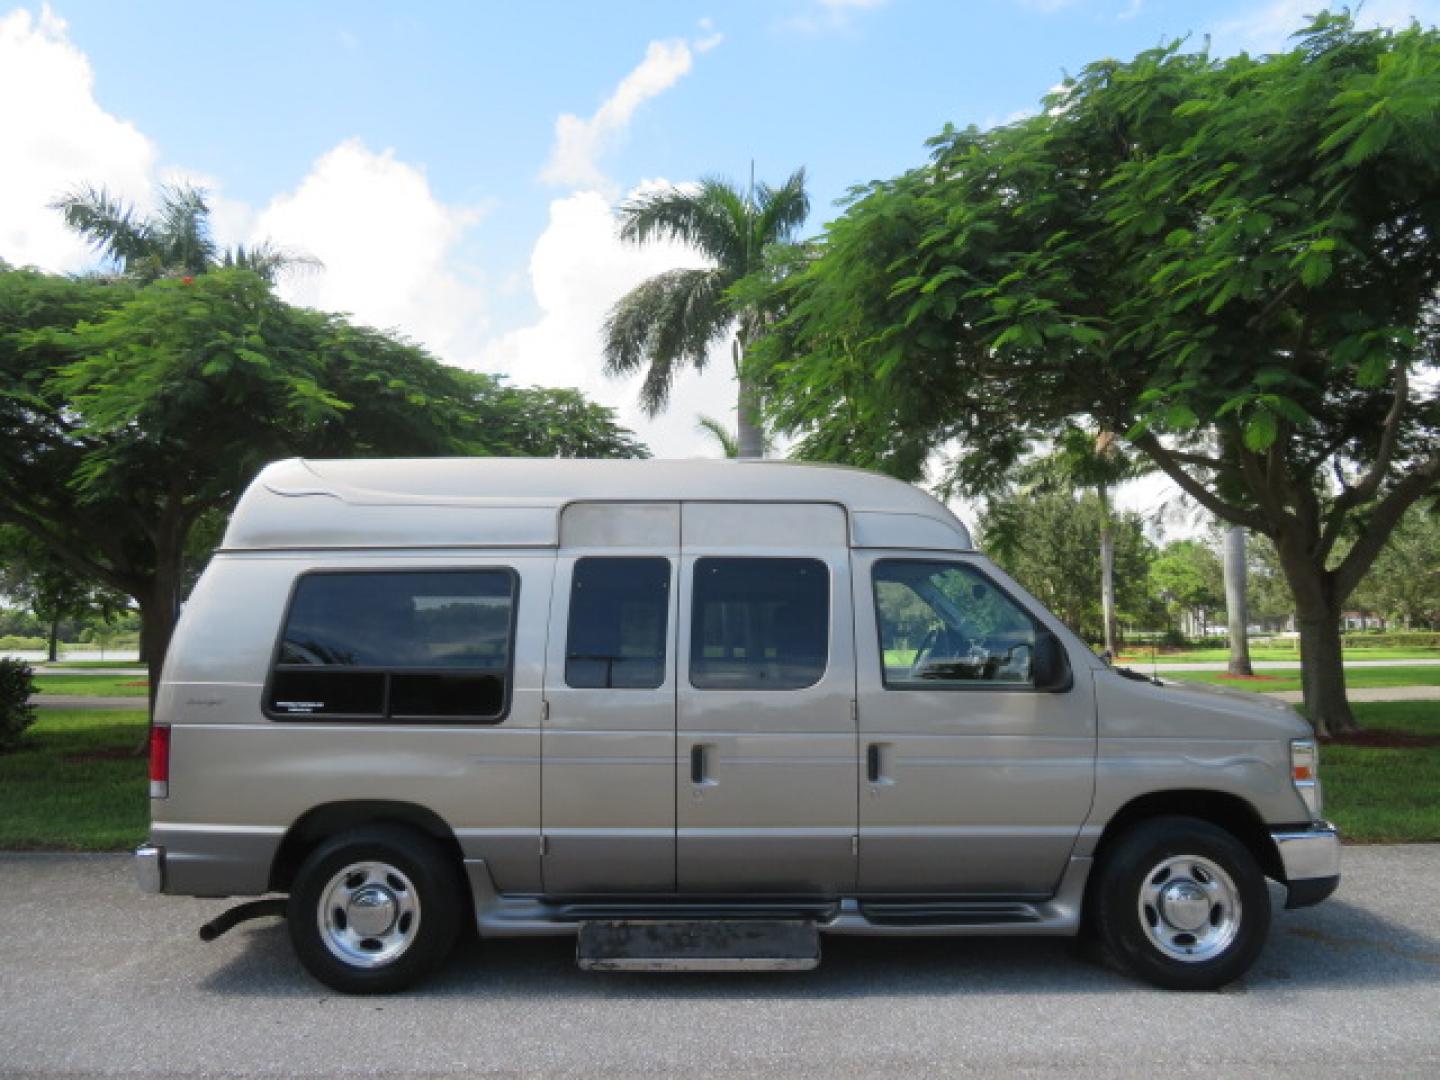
[(1311, 860), (150, 868)]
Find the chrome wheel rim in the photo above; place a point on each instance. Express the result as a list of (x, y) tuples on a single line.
[(369, 914), (1190, 908)]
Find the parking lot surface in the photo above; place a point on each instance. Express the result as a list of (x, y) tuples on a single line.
[(96, 979)]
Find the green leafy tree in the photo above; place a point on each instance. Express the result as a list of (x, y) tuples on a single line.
[(1049, 541), (1091, 461), (670, 321), (55, 593), (1268, 595), (1230, 261), (173, 241), (130, 413), (1188, 575), (1404, 582)]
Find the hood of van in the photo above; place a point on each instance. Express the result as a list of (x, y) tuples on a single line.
[(1198, 709)]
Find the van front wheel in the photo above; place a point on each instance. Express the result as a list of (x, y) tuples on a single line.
[(1182, 904), (373, 910)]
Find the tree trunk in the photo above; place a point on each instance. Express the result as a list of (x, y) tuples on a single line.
[(1322, 674), (1237, 614), (160, 601), (157, 624), (750, 435), (1107, 573), (54, 641), (1317, 614)]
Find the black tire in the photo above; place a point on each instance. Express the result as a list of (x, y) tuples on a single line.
[(1129, 897), (406, 874)]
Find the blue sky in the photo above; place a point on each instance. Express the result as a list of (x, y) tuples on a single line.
[(423, 151)]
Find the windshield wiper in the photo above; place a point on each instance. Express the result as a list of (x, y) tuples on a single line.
[(1131, 673)]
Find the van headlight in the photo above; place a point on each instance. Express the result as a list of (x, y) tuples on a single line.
[(1305, 773)]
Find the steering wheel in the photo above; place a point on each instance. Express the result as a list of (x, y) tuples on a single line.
[(937, 640), (922, 654)]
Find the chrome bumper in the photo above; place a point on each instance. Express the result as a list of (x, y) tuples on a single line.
[(150, 868), (1309, 853), (1311, 860)]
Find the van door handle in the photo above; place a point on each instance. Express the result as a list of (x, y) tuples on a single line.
[(872, 763), (697, 764)]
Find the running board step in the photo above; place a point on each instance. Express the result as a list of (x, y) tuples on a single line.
[(698, 945), (942, 913)]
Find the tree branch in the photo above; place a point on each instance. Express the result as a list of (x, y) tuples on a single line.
[(71, 557), (1381, 523), (1201, 460), (1369, 484), (1166, 460)]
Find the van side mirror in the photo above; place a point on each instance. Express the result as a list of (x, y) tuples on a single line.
[(1051, 668)]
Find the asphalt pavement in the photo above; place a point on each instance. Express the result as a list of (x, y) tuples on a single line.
[(96, 979)]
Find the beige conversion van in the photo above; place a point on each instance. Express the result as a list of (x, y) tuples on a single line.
[(697, 714)]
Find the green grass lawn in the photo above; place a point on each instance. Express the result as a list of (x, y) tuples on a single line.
[(1270, 681), (1386, 796), (82, 665), (93, 685), (78, 786), (1142, 654)]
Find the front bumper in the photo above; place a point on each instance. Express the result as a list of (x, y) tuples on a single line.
[(1311, 860), (150, 868)]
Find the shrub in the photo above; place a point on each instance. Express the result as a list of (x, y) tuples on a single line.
[(1399, 639), (17, 643), (17, 683)]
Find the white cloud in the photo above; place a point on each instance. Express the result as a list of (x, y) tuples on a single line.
[(389, 249), (578, 269), (53, 129), (1268, 28), (710, 36), (579, 143), (821, 16)]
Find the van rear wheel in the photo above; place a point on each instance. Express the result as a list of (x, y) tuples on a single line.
[(373, 910), (1181, 904)]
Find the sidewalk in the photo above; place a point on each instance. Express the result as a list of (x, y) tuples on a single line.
[(1143, 664), (1371, 693)]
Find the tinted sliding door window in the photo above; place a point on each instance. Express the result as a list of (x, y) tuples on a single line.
[(759, 624), (619, 614), (397, 645), (943, 625)]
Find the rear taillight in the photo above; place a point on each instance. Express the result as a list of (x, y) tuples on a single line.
[(160, 761)]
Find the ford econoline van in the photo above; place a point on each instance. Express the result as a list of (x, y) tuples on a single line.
[(699, 715)]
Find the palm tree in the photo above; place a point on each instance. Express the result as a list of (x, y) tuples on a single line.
[(722, 436), (173, 241), (1098, 462), (1237, 614), (724, 439), (671, 320)]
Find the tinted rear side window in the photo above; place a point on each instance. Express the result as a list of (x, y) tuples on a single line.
[(619, 615), (759, 624), (396, 645)]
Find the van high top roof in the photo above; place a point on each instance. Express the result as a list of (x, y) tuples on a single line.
[(517, 502)]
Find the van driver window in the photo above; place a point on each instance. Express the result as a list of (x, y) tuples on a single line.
[(943, 625), (759, 624), (619, 612), (399, 645)]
